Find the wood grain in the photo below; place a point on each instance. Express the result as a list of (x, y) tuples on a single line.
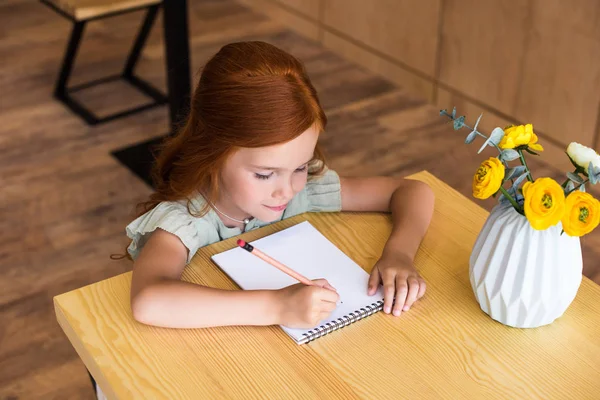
[(402, 29), (445, 347), (415, 85), (557, 52), (310, 8), (304, 26), (481, 49)]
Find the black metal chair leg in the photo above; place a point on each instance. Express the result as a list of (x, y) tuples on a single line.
[(60, 90), (63, 93), (140, 41), (134, 55)]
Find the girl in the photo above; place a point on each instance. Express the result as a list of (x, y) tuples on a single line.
[(248, 156)]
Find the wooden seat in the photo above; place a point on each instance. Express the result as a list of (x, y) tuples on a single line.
[(82, 10)]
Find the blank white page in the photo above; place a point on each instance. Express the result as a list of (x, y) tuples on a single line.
[(304, 249)]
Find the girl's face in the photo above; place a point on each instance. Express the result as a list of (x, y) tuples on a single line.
[(260, 182)]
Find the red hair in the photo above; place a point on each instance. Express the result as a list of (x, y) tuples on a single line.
[(250, 94)]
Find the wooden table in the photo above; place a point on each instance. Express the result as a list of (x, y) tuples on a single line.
[(445, 347)]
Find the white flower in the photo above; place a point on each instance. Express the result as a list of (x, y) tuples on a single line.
[(583, 155)]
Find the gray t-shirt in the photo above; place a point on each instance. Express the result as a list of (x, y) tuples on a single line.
[(321, 194)]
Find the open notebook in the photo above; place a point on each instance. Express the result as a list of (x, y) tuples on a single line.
[(304, 249)]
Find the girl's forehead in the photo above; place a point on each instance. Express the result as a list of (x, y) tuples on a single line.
[(291, 154)]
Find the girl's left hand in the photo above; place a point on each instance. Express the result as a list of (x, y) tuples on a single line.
[(400, 281)]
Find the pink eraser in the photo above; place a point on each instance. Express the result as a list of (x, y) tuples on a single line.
[(241, 243)]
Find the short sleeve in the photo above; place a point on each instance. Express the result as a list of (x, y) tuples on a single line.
[(174, 218), (324, 193)]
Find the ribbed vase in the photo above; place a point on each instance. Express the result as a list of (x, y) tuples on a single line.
[(522, 277)]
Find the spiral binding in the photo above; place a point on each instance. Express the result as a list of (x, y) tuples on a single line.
[(342, 322)]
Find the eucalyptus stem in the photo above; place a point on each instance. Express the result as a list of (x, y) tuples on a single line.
[(444, 112), (512, 201), (564, 185), (529, 177), (577, 187), (476, 131)]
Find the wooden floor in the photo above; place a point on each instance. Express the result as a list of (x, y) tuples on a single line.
[(64, 201)]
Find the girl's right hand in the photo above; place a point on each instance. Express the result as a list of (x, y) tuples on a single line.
[(303, 306)]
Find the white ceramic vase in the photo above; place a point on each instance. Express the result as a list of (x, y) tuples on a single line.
[(523, 277)]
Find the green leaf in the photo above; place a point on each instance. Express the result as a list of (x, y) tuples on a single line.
[(514, 172), (593, 173), (459, 122), (570, 186), (494, 139), (574, 177), (509, 155), (477, 123), (454, 113), (520, 198), (496, 136), (520, 180), (503, 198), (471, 137), (527, 149)]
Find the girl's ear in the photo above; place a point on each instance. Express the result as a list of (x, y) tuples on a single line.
[(315, 165)]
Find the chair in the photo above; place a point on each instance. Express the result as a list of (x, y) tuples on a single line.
[(80, 12)]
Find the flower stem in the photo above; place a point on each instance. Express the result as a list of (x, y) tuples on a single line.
[(577, 187), (512, 201), (564, 185), (529, 177), (465, 125), (477, 132)]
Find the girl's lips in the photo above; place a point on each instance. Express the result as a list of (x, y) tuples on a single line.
[(278, 208)]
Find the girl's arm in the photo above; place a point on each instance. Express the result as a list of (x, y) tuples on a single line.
[(159, 297), (411, 204)]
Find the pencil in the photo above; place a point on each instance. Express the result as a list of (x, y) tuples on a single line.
[(251, 249)]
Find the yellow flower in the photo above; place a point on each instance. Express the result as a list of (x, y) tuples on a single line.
[(544, 203), (515, 136), (582, 214), (488, 178)]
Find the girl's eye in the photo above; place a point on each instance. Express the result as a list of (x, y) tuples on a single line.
[(264, 177), (259, 176)]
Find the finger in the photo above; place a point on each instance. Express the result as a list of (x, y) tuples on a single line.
[(388, 292), (329, 296), (328, 306), (374, 280), (324, 284), (422, 288), (328, 286), (413, 291), (401, 292)]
